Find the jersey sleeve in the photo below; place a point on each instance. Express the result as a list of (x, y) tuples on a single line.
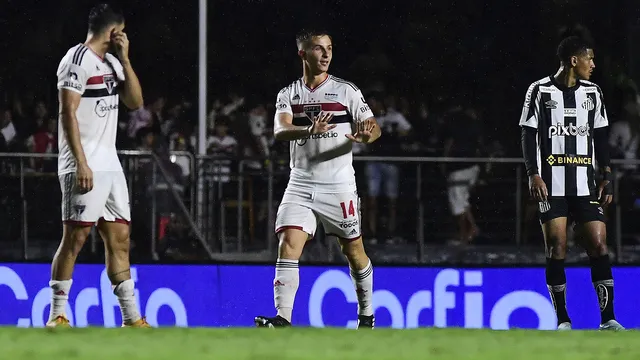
[(601, 119), (72, 76), (357, 105), (283, 102), (530, 113)]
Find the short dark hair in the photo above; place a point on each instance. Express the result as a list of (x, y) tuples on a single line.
[(102, 16), (572, 46), (304, 36)]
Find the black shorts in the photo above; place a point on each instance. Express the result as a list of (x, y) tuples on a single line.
[(581, 209)]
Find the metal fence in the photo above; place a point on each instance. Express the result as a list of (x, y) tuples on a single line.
[(159, 189), (204, 207)]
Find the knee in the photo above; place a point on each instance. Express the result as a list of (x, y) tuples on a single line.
[(598, 247), (74, 239), (117, 239), (292, 243), (353, 250), (557, 248)]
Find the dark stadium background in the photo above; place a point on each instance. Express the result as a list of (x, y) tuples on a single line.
[(442, 53)]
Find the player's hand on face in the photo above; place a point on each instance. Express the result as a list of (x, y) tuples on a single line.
[(121, 42), (537, 188), (321, 124), (605, 193), (364, 131), (84, 179)]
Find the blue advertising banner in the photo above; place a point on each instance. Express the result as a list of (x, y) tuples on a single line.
[(230, 295)]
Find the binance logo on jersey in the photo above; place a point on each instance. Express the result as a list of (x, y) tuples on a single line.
[(569, 130), (563, 160), (551, 160)]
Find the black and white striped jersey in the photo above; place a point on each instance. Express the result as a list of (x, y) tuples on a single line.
[(565, 119)]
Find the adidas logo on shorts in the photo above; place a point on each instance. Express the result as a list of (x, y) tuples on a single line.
[(353, 232)]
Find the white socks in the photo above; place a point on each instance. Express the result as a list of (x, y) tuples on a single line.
[(363, 282), (59, 297), (125, 292), (287, 280), (285, 286)]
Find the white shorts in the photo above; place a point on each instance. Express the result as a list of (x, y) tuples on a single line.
[(459, 182), (107, 201), (338, 213)]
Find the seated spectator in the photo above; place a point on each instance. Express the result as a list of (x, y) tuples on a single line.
[(221, 144), (44, 141)]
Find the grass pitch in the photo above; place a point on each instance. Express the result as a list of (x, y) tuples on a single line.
[(308, 343)]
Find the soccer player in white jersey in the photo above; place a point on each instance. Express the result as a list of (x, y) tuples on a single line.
[(94, 188), (321, 116)]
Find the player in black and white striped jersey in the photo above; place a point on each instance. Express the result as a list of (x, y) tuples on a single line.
[(564, 137)]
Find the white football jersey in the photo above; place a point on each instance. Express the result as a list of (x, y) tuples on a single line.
[(97, 80), (323, 162)]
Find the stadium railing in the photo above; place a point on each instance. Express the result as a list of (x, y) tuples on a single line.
[(158, 187), (501, 204), (229, 206)]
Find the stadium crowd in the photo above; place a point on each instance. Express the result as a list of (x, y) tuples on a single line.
[(415, 123)]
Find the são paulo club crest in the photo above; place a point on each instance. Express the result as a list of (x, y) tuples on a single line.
[(110, 83), (312, 110)]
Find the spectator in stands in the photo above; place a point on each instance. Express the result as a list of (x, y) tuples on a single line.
[(184, 161), (624, 135), (257, 138), (44, 141), (19, 118), (255, 142), (429, 125), (149, 116), (174, 117), (463, 139), (167, 176), (395, 129), (145, 138), (222, 144), (227, 108), (41, 117), (7, 129)]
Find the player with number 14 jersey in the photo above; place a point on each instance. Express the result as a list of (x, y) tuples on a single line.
[(321, 116)]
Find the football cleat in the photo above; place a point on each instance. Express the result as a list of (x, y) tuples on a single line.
[(366, 322), (565, 326), (271, 322), (59, 322), (611, 325), (140, 323)]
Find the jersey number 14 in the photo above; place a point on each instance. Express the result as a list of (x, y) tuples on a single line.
[(348, 210)]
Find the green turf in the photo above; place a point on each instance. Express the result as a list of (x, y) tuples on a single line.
[(307, 343)]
